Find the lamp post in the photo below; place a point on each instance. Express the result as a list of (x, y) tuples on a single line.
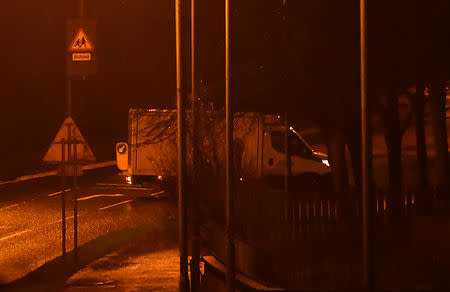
[(180, 26), (367, 201), (195, 220), (230, 271)]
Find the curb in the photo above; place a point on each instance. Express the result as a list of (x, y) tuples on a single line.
[(54, 172)]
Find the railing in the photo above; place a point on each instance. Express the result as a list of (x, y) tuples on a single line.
[(312, 240)]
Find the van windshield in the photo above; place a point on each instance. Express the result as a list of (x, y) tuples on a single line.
[(297, 145)]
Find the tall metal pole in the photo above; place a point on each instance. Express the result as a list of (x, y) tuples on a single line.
[(81, 8), (287, 173), (63, 196), (367, 202), (283, 46), (75, 197), (230, 272), (180, 23), (419, 104), (195, 262), (69, 96)]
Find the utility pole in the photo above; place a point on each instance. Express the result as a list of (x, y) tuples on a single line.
[(195, 220), (230, 271), (419, 104), (367, 200), (288, 172), (180, 28), (81, 8), (69, 96), (283, 46), (80, 14)]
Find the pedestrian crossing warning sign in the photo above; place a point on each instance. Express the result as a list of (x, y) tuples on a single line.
[(81, 42), (66, 141)]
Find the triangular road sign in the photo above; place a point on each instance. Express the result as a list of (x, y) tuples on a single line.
[(69, 133), (81, 43)]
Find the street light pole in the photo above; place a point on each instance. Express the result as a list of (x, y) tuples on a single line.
[(367, 201), (195, 220), (230, 271), (81, 8), (180, 25)]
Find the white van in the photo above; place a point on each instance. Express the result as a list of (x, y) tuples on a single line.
[(258, 143)]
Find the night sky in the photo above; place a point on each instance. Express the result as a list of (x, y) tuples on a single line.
[(309, 62)]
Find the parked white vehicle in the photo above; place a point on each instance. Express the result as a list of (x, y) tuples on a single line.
[(258, 143)]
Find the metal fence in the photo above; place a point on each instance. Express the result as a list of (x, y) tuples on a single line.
[(307, 240)]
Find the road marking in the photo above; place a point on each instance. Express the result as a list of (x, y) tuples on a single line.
[(57, 193), (127, 188), (14, 235), (138, 188), (110, 206), (123, 186), (157, 193), (100, 195), (111, 184)]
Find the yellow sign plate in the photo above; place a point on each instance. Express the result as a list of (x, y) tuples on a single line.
[(81, 57)]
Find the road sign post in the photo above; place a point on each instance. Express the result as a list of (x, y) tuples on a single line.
[(75, 201), (63, 197)]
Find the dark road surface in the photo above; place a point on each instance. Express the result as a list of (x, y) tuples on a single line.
[(30, 217)]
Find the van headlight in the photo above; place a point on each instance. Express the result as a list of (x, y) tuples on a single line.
[(325, 161)]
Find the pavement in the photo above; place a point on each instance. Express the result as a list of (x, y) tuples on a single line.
[(150, 264), (141, 259)]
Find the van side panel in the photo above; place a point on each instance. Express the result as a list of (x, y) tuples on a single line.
[(153, 145), (153, 142), (247, 144)]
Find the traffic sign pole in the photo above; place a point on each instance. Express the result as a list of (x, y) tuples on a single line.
[(63, 196), (69, 96), (75, 198)]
